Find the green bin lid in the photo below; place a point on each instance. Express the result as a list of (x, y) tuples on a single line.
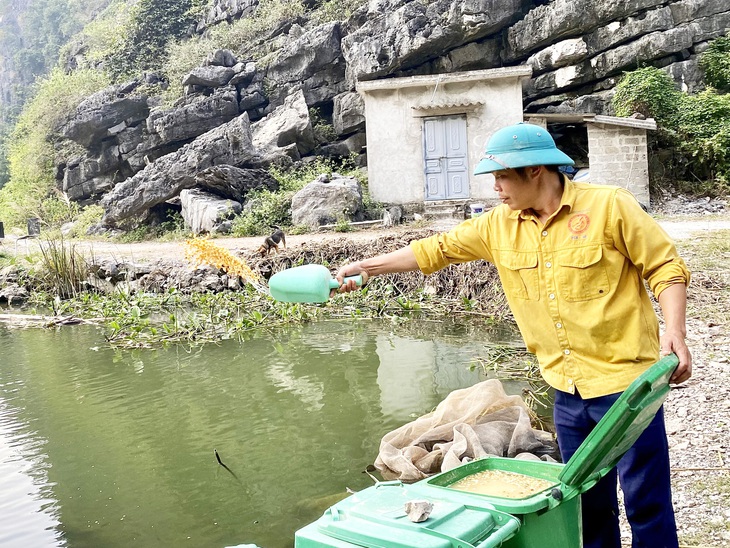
[(620, 427)]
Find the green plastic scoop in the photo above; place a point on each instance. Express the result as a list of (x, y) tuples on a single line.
[(310, 283)]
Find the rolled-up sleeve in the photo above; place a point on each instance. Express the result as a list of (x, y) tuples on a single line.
[(640, 238), (463, 243)]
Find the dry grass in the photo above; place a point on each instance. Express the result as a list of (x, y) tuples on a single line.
[(708, 257), (471, 288)]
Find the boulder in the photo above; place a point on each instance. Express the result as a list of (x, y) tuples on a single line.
[(234, 183), (209, 76), (225, 11), (105, 114), (200, 114), (221, 58), (288, 125), (243, 73), (229, 144), (327, 200), (354, 144), (206, 212), (348, 115)]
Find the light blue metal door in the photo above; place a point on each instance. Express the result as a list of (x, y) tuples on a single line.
[(445, 157)]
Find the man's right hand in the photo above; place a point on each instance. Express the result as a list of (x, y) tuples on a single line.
[(351, 269)]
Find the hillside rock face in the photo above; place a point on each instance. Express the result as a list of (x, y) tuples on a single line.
[(139, 153)]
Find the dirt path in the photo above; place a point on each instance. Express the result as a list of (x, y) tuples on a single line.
[(175, 250)]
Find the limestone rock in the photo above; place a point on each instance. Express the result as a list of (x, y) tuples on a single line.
[(326, 201), (312, 63), (234, 183), (206, 212), (209, 76), (229, 144), (418, 510), (103, 114), (348, 114), (194, 118), (288, 125)]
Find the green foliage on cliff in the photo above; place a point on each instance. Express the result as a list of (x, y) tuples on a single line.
[(693, 140), (247, 38), (153, 23), (648, 91), (33, 145), (703, 131), (31, 34), (715, 62)]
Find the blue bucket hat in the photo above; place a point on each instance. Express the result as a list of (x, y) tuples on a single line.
[(521, 145)]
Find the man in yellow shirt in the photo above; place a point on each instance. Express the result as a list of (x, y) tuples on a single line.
[(573, 259)]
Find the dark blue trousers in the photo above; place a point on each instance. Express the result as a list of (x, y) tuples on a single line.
[(643, 472)]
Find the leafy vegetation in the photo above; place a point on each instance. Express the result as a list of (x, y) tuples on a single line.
[(690, 150), (32, 35), (648, 91), (31, 193), (152, 24), (246, 37), (266, 208), (715, 62), (63, 269)]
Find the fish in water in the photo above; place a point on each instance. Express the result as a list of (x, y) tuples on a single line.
[(218, 458)]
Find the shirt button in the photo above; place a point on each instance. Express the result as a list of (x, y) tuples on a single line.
[(548, 264), (570, 382), (552, 295), (544, 232), (566, 352), (559, 325)]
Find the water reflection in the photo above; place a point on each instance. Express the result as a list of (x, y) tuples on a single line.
[(105, 448)]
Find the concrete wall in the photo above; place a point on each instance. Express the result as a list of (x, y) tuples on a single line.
[(618, 156), (394, 112)]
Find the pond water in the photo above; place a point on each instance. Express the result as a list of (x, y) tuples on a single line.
[(116, 448)]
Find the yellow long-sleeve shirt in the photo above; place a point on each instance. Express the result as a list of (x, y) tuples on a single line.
[(575, 284)]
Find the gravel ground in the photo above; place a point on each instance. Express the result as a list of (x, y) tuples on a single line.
[(698, 419)]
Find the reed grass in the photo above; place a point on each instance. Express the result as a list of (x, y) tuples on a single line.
[(63, 269)]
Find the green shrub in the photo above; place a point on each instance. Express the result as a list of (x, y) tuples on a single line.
[(336, 10), (31, 146), (62, 268), (715, 62), (246, 38), (152, 25), (690, 149), (649, 91), (86, 218), (704, 134), (102, 37), (57, 209), (263, 209)]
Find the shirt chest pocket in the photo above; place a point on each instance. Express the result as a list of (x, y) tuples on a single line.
[(519, 275), (581, 274)]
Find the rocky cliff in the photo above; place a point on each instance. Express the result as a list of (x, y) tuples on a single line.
[(256, 113)]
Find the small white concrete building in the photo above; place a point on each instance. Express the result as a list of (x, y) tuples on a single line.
[(425, 134)]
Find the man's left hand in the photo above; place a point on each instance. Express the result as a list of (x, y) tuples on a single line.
[(671, 342)]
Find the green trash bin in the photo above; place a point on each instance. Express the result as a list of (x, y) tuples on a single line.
[(376, 517), (549, 518)]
